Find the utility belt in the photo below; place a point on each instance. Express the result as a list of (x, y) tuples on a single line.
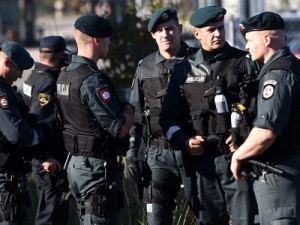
[(163, 144), (83, 145)]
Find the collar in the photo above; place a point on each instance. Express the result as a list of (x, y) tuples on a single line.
[(283, 52), (78, 60), (183, 53), (218, 57), (39, 67)]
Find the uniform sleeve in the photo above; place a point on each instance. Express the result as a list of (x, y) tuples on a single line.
[(136, 131), (13, 125), (175, 110), (43, 100), (276, 94), (99, 95)]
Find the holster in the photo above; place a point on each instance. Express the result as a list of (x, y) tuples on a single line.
[(105, 202)]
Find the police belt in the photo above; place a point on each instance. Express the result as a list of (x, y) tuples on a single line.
[(163, 144)]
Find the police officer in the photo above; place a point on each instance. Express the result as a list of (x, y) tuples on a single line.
[(150, 85), (216, 69), (16, 133), (39, 93), (275, 136), (94, 121), (149, 88)]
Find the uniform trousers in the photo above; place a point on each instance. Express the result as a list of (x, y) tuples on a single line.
[(12, 208), (217, 195), (52, 208), (278, 197), (168, 173), (84, 175)]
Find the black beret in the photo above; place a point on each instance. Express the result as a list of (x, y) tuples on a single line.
[(53, 44), (262, 21), (207, 14), (161, 15), (94, 26), (17, 54)]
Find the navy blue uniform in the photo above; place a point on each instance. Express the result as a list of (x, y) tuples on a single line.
[(16, 135), (215, 193), (39, 93), (165, 160), (278, 110), (92, 119)]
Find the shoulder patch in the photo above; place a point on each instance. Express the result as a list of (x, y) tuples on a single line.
[(105, 95), (44, 99), (4, 104), (269, 88)]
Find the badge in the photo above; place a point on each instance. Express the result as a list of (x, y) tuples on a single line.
[(105, 95), (4, 102), (269, 88), (268, 91), (43, 99)]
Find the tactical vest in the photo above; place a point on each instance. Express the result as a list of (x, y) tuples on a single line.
[(35, 78), (289, 140), (83, 135), (201, 85), (154, 82)]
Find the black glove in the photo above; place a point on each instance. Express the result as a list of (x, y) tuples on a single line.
[(138, 171)]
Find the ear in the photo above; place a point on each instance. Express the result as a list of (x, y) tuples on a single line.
[(6, 61), (180, 28), (96, 41), (153, 35), (267, 39), (197, 33)]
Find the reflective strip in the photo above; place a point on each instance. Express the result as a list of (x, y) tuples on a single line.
[(171, 131)]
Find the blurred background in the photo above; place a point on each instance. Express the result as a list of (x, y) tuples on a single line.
[(27, 21)]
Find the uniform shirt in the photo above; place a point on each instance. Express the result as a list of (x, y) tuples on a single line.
[(13, 118), (98, 93), (40, 89), (277, 92)]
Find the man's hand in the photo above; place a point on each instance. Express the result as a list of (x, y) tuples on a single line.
[(51, 165), (229, 142), (235, 167), (134, 168), (195, 145)]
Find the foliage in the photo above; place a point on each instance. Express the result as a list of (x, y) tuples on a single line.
[(130, 43)]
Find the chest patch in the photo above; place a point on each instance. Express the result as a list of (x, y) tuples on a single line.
[(105, 95), (4, 102), (27, 90), (193, 79), (269, 88), (44, 99)]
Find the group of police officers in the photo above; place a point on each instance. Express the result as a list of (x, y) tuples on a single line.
[(219, 120)]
